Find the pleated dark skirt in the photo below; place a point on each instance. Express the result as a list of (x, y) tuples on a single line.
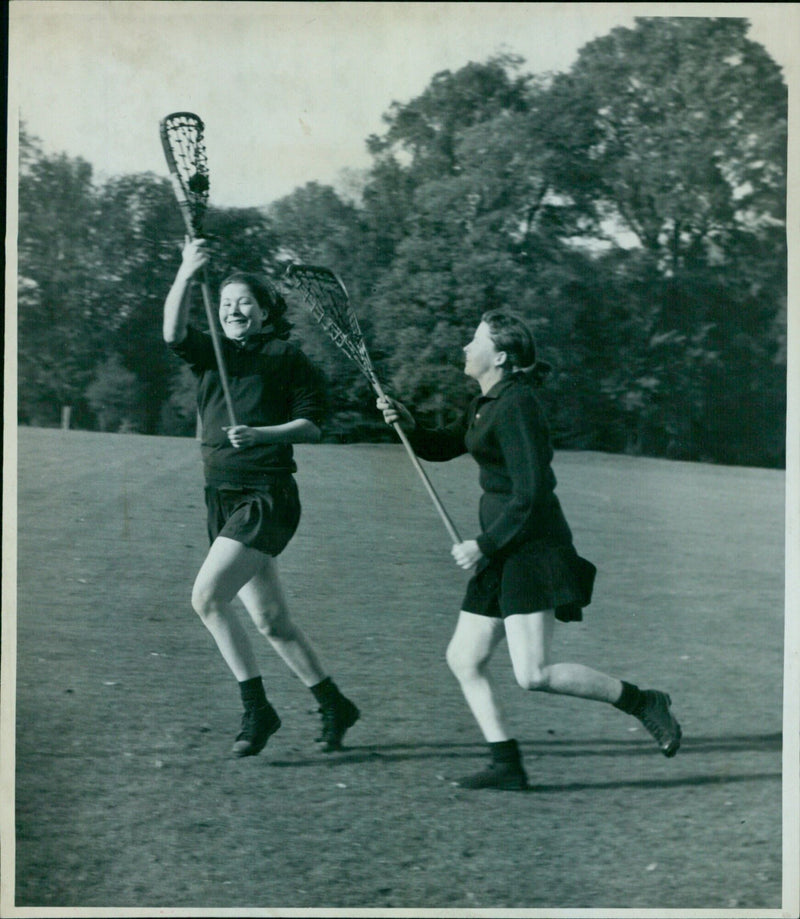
[(540, 573), (535, 577)]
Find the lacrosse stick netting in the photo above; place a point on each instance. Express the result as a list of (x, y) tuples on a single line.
[(329, 304), (185, 152)]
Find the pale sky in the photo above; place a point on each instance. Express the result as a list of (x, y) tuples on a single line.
[(289, 92)]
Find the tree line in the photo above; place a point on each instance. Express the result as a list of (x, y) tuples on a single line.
[(632, 209)]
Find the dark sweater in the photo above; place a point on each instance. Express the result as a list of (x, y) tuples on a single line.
[(506, 433), (271, 381)]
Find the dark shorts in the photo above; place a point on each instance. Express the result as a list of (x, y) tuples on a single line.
[(534, 577), (263, 517)]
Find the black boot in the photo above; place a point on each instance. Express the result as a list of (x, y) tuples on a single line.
[(656, 715), (258, 725), (338, 714), (259, 721), (504, 773)]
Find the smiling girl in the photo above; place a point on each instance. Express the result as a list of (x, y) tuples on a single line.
[(251, 494)]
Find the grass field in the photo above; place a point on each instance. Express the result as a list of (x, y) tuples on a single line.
[(126, 795)]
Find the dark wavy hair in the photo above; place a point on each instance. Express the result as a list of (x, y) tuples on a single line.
[(267, 297), (510, 333)]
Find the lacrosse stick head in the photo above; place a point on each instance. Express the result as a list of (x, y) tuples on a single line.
[(322, 289), (185, 152), (327, 299)]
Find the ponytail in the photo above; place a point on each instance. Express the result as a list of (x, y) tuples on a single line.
[(510, 333), (537, 373)]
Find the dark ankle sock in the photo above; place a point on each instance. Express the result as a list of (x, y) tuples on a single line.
[(252, 691), (505, 751), (631, 699), (326, 692)]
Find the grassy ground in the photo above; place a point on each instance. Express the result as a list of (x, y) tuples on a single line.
[(127, 796)]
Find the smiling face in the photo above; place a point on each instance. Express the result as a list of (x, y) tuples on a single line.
[(239, 313), (483, 362)]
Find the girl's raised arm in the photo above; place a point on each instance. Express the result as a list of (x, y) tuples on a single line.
[(176, 305)]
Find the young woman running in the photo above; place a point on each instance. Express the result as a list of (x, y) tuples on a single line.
[(527, 573), (251, 495)]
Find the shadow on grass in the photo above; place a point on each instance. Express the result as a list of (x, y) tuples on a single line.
[(400, 752), (691, 781)]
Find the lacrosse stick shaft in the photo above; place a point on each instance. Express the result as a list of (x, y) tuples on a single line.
[(212, 327), (429, 488), (449, 525), (327, 296), (182, 140)]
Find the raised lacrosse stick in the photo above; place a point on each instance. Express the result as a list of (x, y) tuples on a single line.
[(329, 303), (185, 150)]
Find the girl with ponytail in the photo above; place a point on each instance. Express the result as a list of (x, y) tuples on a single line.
[(526, 573)]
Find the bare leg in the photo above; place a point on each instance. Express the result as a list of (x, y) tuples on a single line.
[(529, 641), (228, 566), (468, 654), (264, 600)]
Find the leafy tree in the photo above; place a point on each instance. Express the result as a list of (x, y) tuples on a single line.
[(420, 143), (632, 209), (95, 264), (684, 127), (314, 225), (179, 410), (421, 206), (242, 239), (426, 129), (139, 246), (115, 396), (61, 321)]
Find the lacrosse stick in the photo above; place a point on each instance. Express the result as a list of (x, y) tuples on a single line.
[(329, 303), (185, 150)]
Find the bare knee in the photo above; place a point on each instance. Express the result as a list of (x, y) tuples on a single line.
[(273, 622), (532, 676), (206, 601), (463, 662)]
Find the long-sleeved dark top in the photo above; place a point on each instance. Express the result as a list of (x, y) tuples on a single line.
[(507, 434), (271, 382)]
